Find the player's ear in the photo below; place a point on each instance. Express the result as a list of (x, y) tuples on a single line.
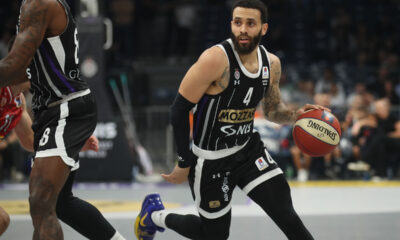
[(264, 29)]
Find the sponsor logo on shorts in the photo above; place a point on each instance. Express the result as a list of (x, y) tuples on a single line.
[(214, 204)]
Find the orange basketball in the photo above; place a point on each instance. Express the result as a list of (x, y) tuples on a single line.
[(316, 132)]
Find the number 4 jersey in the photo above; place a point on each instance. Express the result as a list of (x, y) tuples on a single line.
[(225, 121)]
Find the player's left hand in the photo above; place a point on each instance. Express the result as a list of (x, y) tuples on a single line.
[(177, 176), (91, 144), (309, 107)]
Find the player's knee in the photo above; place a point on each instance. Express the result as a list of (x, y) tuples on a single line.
[(42, 200), (4, 221)]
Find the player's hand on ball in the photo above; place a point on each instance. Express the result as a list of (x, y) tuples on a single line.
[(309, 107), (91, 144), (177, 176)]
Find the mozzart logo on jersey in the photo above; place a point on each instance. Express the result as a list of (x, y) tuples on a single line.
[(236, 116)]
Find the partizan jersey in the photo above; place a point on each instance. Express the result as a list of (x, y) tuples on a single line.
[(54, 70), (225, 120)]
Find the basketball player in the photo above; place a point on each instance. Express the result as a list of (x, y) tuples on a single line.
[(224, 87), (46, 49)]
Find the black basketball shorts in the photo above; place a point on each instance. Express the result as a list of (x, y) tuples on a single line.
[(212, 181), (62, 130)]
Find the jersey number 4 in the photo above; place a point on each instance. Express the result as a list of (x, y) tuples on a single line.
[(247, 99)]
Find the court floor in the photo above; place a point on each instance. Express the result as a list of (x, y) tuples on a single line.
[(331, 210)]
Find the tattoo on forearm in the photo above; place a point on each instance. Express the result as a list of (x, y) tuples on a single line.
[(273, 107)]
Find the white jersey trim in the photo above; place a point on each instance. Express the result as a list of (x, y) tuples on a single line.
[(251, 185), (206, 121), (244, 70), (58, 50), (51, 84), (212, 155)]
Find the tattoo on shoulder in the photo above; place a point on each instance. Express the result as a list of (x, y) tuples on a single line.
[(276, 72), (224, 80), (33, 13)]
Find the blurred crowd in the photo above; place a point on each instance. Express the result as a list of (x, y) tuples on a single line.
[(338, 53)]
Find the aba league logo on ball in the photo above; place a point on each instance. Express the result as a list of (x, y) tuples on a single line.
[(316, 132)]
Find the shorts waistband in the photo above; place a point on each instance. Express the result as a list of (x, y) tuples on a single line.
[(213, 155), (70, 97)]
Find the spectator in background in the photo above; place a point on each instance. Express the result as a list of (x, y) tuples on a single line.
[(359, 97), (335, 89), (122, 12), (303, 93), (377, 139), (389, 92), (184, 16)]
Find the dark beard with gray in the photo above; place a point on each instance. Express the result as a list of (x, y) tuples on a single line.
[(246, 49)]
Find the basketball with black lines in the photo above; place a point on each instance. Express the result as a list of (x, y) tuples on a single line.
[(316, 132)]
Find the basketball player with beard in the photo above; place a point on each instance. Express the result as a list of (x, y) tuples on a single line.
[(65, 116), (224, 88)]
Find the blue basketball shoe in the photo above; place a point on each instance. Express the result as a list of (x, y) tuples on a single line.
[(145, 229)]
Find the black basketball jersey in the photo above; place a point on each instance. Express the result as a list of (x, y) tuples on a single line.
[(225, 120), (54, 70)]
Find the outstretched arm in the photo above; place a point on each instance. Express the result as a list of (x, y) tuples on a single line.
[(274, 108)]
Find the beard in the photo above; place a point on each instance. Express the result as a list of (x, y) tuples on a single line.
[(246, 48)]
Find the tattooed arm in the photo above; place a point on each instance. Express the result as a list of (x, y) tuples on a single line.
[(276, 110), (273, 107), (38, 19), (33, 25)]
